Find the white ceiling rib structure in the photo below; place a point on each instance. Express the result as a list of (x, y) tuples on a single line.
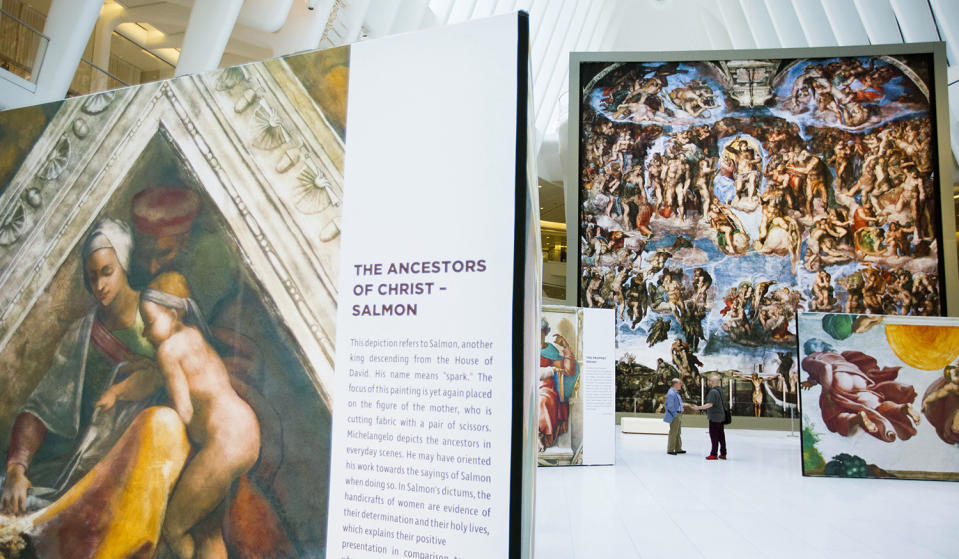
[(561, 26), (254, 29)]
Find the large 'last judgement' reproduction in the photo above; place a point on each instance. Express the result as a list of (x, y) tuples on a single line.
[(717, 198)]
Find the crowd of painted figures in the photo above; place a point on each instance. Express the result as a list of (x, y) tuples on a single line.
[(828, 199), (701, 216)]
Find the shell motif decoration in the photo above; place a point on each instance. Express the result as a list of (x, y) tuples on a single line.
[(12, 226), (230, 77), (313, 194), (56, 160), (270, 133), (98, 103)]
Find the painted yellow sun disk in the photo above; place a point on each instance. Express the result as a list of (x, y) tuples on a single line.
[(929, 348)]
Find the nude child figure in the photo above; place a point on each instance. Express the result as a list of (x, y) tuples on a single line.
[(222, 427)]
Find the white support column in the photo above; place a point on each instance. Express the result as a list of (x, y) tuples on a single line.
[(601, 35), (380, 18), (302, 30), (110, 16), (461, 11), (784, 20), (483, 8), (547, 88), (815, 24), (879, 20), (356, 12), (845, 22), (947, 14), (540, 33), (558, 84), (761, 24), (409, 17), (915, 20), (265, 15), (442, 9), (732, 13), (716, 33), (210, 27)]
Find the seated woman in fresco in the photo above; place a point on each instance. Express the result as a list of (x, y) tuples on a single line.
[(109, 473), (89, 474), (45, 450)]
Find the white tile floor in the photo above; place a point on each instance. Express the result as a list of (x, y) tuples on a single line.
[(756, 504)]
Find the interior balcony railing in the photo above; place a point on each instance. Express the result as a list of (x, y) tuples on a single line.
[(162, 67), (22, 48), (90, 78)]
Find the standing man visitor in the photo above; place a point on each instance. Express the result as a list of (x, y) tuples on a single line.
[(716, 414), (674, 416)]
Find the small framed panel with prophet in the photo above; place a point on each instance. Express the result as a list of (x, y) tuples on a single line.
[(576, 388)]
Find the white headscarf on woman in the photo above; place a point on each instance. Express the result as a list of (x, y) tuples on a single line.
[(110, 233)]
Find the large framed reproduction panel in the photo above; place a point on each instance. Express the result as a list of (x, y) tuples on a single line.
[(719, 193), (228, 325), (880, 396)]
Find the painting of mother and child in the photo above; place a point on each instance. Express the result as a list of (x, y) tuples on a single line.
[(153, 412), (155, 401)]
